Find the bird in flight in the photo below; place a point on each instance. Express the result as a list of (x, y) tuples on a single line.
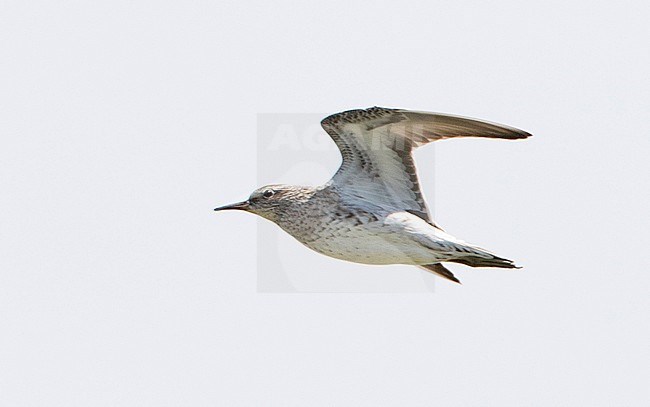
[(372, 210)]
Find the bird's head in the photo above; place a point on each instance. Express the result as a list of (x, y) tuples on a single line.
[(268, 201)]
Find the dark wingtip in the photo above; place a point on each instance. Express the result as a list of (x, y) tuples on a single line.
[(519, 135), (451, 277), (441, 271)]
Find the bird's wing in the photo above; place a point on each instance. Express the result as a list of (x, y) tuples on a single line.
[(376, 145)]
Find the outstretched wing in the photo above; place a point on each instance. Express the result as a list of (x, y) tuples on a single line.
[(376, 145)]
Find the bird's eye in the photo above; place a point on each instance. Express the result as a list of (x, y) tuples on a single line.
[(268, 193)]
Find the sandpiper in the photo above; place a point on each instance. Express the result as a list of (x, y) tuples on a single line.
[(372, 210)]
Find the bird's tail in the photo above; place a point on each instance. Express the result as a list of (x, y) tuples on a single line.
[(480, 261)]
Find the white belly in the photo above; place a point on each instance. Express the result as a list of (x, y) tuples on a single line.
[(369, 247)]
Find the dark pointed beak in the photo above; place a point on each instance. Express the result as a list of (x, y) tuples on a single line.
[(242, 206)]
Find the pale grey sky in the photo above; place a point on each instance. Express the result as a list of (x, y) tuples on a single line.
[(124, 123)]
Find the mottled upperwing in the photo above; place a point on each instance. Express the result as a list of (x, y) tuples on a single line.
[(376, 146)]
